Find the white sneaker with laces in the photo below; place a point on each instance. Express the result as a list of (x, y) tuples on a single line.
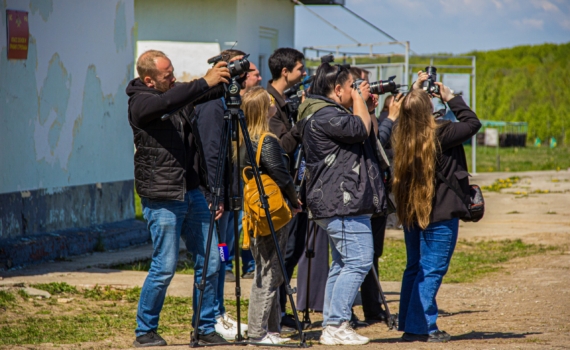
[(227, 318), (227, 327), (342, 335), (270, 338)]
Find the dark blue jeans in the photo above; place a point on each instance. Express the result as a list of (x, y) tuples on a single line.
[(168, 220), (428, 253)]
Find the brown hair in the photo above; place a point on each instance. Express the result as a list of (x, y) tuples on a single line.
[(387, 102), (255, 104), (231, 53), (415, 148), (146, 64)]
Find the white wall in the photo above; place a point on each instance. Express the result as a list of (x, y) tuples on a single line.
[(63, 111), (219, 21)]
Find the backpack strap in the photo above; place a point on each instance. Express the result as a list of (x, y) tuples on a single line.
[(259, 145), (464, 198)]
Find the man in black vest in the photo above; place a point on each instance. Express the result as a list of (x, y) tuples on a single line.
[(167, 176), (287, 69)]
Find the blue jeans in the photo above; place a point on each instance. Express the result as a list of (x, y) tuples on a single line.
[(428, 253), (352, 249), (168, 220), (226, 232)]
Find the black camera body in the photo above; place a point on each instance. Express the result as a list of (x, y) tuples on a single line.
[(237, 67), (381, 87), (429, 85), (294, 94)]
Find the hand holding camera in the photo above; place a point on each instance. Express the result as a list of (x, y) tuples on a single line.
[(219, 73), (422, 76), (446, 92), (363, 89)]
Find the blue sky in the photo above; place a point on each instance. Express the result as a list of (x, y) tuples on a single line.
[(438, 26)]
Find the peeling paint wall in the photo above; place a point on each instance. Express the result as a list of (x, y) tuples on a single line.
[(63, 110), (63, 116)]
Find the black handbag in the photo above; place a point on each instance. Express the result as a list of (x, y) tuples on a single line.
[(474, 202)]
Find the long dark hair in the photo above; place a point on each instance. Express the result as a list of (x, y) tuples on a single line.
[(327, 77)]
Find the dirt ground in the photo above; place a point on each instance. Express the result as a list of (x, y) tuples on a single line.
[(525, 306)]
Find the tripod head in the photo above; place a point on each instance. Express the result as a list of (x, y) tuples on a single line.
[(232, 94)]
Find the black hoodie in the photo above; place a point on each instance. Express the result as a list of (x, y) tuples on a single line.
[(166, 158)]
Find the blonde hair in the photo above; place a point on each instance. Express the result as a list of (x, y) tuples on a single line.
[(146, 64), (255, 105), (415, 150)]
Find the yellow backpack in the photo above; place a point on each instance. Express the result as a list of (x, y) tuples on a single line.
[(254, 218)]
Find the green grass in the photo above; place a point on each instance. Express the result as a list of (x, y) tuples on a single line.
[(138, 207), (470, 261), (6, 298), (56, 288), (520, 158)]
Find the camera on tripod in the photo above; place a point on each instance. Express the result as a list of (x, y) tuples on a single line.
[(381, 87), (237, 67), (429, 85)]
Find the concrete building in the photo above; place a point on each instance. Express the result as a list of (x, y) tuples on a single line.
[(66, 149)]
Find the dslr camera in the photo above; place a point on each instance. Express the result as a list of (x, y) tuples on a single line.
[(429, 85), (237, 67), (294, 94), (381, 87)]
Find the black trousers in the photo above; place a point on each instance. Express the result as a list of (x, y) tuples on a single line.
[(295, 249), (319, 242), (369, 292)]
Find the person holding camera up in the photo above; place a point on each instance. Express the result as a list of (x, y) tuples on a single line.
[(167, 180), (427, 208), (344, 189), (264, 311)]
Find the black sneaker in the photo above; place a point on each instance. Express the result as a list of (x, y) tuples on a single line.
[(149, 339), (248, 275), (381, 317), (288, 321), (435, 337), (211, 338), (230, 276), (356, 323)]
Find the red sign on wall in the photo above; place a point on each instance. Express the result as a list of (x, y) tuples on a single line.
[(18, 34)]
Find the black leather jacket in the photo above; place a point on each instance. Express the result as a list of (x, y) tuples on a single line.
[(275, 163)]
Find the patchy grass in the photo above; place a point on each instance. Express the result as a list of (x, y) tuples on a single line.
[(470, 261), (6, 298), (56, 288)]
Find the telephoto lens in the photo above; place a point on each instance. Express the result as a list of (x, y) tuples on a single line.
[(380, 87), (429, 85)]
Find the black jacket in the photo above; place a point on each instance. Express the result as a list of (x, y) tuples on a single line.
[(166, 160), (451, 161), (275, 163), (281, 124), (342, 172)]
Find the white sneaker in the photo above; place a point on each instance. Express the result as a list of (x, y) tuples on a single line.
[(227, 327), (342, 335), (227, 318), (270, 338)]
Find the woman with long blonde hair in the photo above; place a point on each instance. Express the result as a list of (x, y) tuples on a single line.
[(264, 310), (427, 208)]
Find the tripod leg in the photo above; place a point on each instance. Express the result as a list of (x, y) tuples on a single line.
[(265, 205), (310, 254), (390, 319), (215, 203)]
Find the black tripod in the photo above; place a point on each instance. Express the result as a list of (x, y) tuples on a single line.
[(233, 116)]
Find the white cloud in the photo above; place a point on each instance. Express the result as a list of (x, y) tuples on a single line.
[(546, 5)]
